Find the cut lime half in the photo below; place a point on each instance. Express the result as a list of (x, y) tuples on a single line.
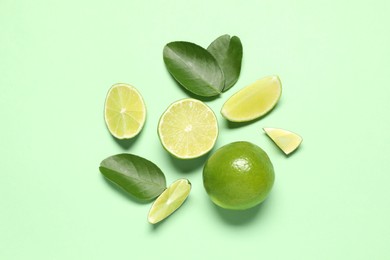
[(287, 141), (169, 201), (188, 129), (253, 101), (124, 111)]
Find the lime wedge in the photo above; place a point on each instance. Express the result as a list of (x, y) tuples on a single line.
[(253, 101), (188, 129), (169, 201), (287, 141), (124, 111)]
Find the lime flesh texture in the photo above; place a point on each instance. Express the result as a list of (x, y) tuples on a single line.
[(287, 141), (188, 129), (124, 111), (253, 101), (169, 201), (238, 176)]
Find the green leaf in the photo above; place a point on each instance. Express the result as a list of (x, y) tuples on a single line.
[(136, 175), (194, 68), (228, 53)]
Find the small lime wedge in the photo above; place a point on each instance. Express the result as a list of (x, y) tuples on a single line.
[(169, 201), (253, 101), (188, 129), (124, 111), (287, 141)]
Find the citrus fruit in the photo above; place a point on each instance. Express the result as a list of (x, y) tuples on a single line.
[(287, 141), (253, 101), (124, 111), (188, 128), (169, 201), (238, 176)]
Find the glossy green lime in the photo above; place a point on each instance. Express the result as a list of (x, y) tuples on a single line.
[(238, 176)]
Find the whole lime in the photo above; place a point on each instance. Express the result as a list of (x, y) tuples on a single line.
[(238, 176)]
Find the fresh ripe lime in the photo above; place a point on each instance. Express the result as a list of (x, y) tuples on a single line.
[(124, 111), (188, 128), (253, 101), (238, 176)]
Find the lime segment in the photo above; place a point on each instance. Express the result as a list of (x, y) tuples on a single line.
[(188, 129), (253, 101), (287, 141), (169, 201), (124, 111)]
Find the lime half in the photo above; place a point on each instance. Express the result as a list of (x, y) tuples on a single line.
[(253, 101), (169, 201), (188, 129), (287, 141), (124, 111)]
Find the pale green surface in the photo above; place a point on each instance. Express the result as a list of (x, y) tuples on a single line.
[(331, 199)]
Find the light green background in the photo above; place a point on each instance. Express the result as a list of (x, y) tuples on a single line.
[(331, 199)]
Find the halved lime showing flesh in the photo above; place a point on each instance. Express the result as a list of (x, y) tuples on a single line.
[(124, 111), (188, 129), (287, 141), (253, 101), (169, 201)]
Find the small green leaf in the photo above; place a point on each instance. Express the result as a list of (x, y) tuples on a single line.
[(136, 175), (194, 68), (228, 53)]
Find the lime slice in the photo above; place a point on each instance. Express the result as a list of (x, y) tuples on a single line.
[(124, 111), (188, 129), (169, 201), (287, 141), (253, 101)]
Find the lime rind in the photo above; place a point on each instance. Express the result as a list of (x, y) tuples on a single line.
[(286, 140), (169, 201), (238, 176), (125, 114)]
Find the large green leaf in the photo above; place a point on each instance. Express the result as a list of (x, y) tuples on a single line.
[(194, 68), (228, 53), (136, 175)]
